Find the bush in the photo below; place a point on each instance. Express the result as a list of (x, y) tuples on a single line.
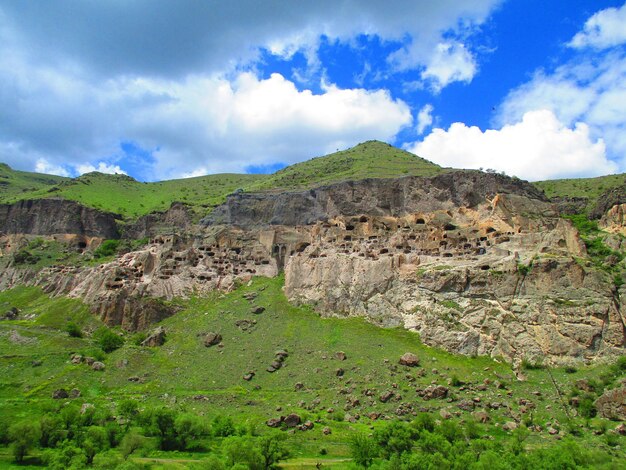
[(107, 339), (23, 436), (107, 248), (222, 426), (363, 449), (73, 330)]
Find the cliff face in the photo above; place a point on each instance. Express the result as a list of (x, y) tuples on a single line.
[(475, 263), (56, 216), (377, 197)]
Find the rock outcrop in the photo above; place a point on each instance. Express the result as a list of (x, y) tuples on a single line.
[(56, 216)]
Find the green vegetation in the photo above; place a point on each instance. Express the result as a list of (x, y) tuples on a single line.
[(184, 404), (372, 159), (107, 248), (589, 188), (123, 195)]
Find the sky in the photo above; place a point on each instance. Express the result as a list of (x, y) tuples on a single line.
[(159, 90)]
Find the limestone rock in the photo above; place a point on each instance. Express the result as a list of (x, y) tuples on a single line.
[(98, 366), (156, 338), (612, 404), (211, 339), (409, 359)]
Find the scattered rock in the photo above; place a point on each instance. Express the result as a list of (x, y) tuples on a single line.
[(11, 314), (156, 338), (74, 393), (445, 414), (36, 363), (61, 393), (340, 356), (481, 416), (250, 296), (99, 366), (299, 386), (77, 359), (276, 365), (433, 392), (257, 310), (386, 396), (339, 372), (201, 398), (621, 429), (292, 420), (509, 426), (134, 378), (249, 376), (552, 431), (409, 359), (274, 422), (612, 404), (466, 405), (283, 354), (326, 431), (211, 339), (89, 360), (306, 426)]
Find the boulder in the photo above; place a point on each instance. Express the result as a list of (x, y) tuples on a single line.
[(274, 422), (156, 338), (61, 393), (249, 376), (77, 359), (211, 339), (340, 356), (433, 392), (12, 313), (445, 414), (99, 366), (292, 420), (509, 426), (386, 396), (409, 359), (339, 372), (481, 416), (612, 404), (74, 393), (86, 406), (257, 310)]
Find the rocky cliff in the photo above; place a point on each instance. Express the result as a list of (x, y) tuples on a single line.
[(475, 263), (56, 216)]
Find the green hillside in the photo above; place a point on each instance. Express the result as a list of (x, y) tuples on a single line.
[(16, 184), (372, 159), (130, 198), (203, 388), (589, 188)]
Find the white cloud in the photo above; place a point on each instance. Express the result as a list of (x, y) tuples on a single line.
[(102, 167), (606, 28), (590, 90), (43, 166), (536, 148), (424, 118), (449, 62)]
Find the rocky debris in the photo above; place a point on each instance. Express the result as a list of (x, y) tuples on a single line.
[(98, 366), (257, 310), (386, 396), (339, 372), (552, 431), (250, 296), (584, 385), (16, 338), (89, 360), (74, 393), (326, 431), (279, 358), (11, 314), (298, 386), (340, 356), (274, 422), (445, 414), (245, 325), (134, 378), (433, 392), (36, 363), (509, 426), (77, 359), (211, 339), (61, 393), (612, 404), (409, 359), (466, 405), (621, 429), (306, 426), (156, 338), (249, 376), (292, 420)]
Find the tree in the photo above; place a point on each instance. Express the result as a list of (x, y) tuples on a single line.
[(272, 450), (188, 427), (242, 451), (23, 436), (363, 449), (131, 442), (107, 339)]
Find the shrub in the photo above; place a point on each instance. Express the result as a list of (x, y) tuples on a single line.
[(107, 339), (107, 248), (23, 436), (363, 449), (73, 330), (222, 426)]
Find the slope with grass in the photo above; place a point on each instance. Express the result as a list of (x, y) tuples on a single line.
[(16, 185), (340, 395), (371, 159)]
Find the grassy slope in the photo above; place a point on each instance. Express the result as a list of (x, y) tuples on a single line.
[(183, 368), (15, 184), (131, 199), (591, 188), (372, 159)]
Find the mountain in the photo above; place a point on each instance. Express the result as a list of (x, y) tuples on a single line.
[(363, 305)]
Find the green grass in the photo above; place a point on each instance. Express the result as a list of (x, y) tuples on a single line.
[(183, 368), (15, 184), (123, 195), (590, 188), (372, 159)]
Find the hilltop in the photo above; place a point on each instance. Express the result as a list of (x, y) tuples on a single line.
[(131, 199)]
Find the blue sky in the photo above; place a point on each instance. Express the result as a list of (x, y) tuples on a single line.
[(161, 90)]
